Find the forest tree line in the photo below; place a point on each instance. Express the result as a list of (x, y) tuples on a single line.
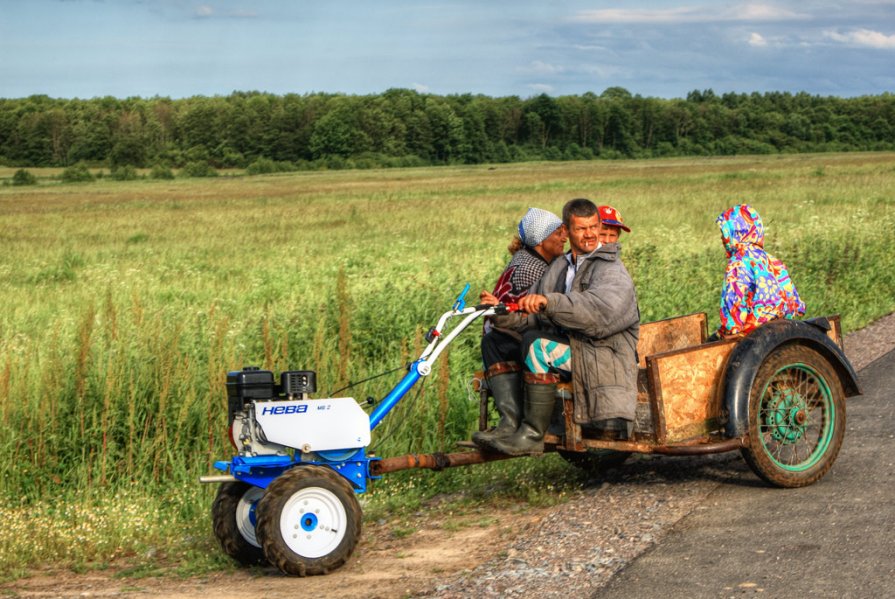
[(401, 127)]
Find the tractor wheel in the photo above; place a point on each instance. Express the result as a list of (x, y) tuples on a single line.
[(233, 519), (309, 521), (796, 418), (595, 461)]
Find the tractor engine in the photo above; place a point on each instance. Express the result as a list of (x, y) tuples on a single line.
[(267, 418)]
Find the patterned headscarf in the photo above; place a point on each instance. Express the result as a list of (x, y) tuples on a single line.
[(537, 225)]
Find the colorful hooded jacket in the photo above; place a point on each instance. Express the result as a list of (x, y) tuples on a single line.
[(757, 287)]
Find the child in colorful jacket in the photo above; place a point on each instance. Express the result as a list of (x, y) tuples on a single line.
[(757, 287)]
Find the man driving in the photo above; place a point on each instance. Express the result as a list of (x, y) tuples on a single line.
[(583, 320)]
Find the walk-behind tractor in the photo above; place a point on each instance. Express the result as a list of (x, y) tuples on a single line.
[(289, 495)]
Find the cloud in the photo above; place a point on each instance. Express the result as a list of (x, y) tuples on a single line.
[(757, 40), (589, 47), (206, 11), (864, 37), (621, 15), (543, 68), (689, 14), (541, 88), (603, 71), (760, 12), (420, 87)]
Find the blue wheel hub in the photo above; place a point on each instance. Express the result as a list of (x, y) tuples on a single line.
[(308, 522)]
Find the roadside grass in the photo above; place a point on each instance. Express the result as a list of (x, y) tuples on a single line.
[(125, 304)]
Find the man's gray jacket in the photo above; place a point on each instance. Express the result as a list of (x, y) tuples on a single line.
[(601, 318)]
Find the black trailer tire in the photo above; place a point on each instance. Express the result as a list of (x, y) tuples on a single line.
[(595, 461), (796, 418), (233, 517), (309, 521)]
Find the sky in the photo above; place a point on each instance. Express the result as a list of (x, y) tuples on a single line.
[(657, 48)]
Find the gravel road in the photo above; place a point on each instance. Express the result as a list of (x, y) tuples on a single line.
[(577, 548)]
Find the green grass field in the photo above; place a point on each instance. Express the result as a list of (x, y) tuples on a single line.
[(125, 304)]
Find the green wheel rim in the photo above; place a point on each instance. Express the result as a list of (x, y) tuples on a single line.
[(796, 417)]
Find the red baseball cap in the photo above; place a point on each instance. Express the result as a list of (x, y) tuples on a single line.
[(612, 217)]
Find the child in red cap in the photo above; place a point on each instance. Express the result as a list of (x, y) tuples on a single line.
[(613, 225)]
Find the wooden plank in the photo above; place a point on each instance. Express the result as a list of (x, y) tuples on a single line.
[(670, 334), (572, 438), (835, 332), (657, 404), (643, 416), (687, 388)]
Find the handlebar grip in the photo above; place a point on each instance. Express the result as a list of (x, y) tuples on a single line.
[(500, 309)]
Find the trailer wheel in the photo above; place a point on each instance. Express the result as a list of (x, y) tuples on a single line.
[(595, 461), (796, 418), (309, 521), (233, 520)]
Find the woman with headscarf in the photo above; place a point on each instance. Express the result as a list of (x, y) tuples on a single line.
[(541, 238)]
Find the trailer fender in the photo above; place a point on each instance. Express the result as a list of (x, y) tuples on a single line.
[(748, 355)]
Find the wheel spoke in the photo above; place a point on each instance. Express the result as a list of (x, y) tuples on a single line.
[(802, 382)]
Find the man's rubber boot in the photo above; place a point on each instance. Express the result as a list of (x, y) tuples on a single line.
[(614, 429), (540, 394), (505, 382)]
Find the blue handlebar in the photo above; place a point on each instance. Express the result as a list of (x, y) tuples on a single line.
[(460, 304)]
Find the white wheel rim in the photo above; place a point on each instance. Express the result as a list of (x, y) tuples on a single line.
[(313, 522), (245, 514)]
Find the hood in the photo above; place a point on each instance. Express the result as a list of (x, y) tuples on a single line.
[(740, 226)]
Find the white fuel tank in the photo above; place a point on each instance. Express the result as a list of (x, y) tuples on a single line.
[(314, 424)]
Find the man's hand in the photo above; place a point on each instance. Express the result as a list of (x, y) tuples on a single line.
[(488, 299), (532, 303)]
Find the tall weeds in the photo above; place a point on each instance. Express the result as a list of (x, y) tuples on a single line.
[(344, 334)]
